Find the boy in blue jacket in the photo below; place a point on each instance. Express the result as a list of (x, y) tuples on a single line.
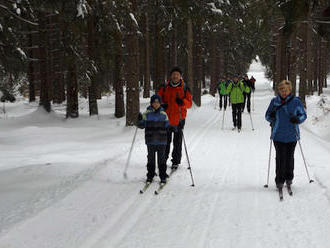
[(155, 122), (285, 113)]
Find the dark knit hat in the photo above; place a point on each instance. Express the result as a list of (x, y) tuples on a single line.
[(176, 68), (154, 98)]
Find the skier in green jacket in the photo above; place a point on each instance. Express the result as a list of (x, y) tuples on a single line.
[(222, 90), (236, 90)]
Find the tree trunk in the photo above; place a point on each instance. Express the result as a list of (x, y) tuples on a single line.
[(221, 57), (92, 89), (316, 63), (197, 89), (146, 90), (160, 74), (319, 66), (281, 58), (44, 77), (324, 65), (277, 75), (59, 68), (293, 61), (118, 76), (30, 74), (72, 110), (190, 42), (213, 57), (174, 46), (132, 96), (309, 59), (59, 89), (303, 64)]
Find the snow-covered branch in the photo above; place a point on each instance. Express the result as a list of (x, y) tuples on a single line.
[(17, 16)]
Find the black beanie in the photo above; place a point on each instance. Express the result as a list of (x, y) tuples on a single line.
[(176, 68)]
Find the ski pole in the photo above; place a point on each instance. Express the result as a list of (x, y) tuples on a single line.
[(216, 100), (253, 101), (189, 166), (130, 153), (251, 122), (270, 154), (302, 154), (4, 110), (185, 148), (223, 119)]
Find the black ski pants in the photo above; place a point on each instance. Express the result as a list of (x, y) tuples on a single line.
[(284, 161), (151, 166), (237, 114), (177, 134), (223, 98), (247, 101)]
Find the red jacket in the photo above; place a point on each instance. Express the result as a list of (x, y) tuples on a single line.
[(175, 112)]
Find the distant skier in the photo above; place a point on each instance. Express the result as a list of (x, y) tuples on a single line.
[(176, 100), (155, 122), (253, 83), (285, 113), (247, 94), (235, 90), (222, 90), (228, 81)]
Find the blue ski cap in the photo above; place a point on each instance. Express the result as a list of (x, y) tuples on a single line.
[(154, 98)]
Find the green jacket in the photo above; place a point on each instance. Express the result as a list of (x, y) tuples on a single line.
[(222, 88), (235, 91)]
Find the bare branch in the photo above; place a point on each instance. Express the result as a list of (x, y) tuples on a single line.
[(18, 17)]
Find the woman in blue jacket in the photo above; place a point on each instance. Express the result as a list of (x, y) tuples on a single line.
[(285, 112), (155, 122)]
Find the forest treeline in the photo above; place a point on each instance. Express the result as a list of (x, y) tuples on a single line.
[(60, 50)]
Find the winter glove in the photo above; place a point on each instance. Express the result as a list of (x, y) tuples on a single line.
[(179, 101), (164, 106), (294, 120), (272, 115), (140, 117), (181, 124)]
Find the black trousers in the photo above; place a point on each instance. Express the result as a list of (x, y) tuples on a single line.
[(284, 161), (177, 135), (151, 166), (237, 114), (223, 98), (247, 101)]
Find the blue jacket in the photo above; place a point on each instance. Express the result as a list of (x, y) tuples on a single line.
[(155, 123), (283, 130)]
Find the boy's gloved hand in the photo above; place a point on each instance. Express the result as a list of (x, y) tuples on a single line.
[(164, 106), (272, 115), (140, 117), (294, 120)]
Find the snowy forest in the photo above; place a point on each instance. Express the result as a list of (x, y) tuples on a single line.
[(59, 50), (93, 91)]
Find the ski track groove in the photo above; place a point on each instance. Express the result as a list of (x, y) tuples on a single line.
[(63, 189), (134, 210), (119, 226), (211, 204), (194, 212), (135, 207)]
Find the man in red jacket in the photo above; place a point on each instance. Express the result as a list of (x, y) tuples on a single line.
[(176, 100)]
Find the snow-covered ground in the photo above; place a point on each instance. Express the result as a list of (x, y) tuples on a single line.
[(62, 185)]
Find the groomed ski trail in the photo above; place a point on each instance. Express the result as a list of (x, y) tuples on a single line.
[(228, 207)]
